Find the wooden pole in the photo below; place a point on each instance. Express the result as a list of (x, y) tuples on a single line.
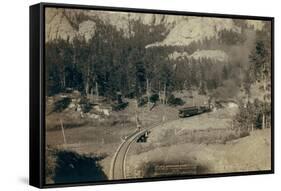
[(97, 92), (92, 95), (62, 130), (87, 82), (147, 93), (165, 86), (159, 93)]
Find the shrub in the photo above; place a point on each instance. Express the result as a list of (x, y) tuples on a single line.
[(62, 104), (154, 98), (130, 95), (118, 107), (142, 101), (86, 106), (173, 101)]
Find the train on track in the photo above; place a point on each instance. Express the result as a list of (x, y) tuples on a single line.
[(194, 110), (143, 138)]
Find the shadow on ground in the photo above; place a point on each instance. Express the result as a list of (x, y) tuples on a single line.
[(72, 167), (186, 168)]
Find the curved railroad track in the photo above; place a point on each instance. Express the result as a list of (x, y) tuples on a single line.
[(118, 165)]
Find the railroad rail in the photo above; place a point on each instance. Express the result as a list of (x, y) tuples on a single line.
[(118, 164)]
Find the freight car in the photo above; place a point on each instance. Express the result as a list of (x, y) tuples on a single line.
[(194, 110)]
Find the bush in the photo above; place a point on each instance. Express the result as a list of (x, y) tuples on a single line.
[(62, 104), (119, 107), (130, 95), (154, 98), (142, 101), (173, 101), (86, 106)]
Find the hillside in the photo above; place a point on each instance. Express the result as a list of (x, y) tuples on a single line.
[(245, 154), (66, 23), (197, 29), (191, 33)]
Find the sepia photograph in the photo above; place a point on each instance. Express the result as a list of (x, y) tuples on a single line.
[(135, 95)]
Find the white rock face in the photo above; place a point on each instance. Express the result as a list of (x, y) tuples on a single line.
[(196, 29), (178, 55), (122, 19), (57, 25), (217, 55), (59, 22), (87, 29)]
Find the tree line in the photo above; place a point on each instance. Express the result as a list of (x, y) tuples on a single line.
[(257, 114), (108, 62), (111, 62)]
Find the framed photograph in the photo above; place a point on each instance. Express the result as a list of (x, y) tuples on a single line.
[(129, 95)]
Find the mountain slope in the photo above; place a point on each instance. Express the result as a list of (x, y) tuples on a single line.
[(67, 23), (182, 30), (197, 29)]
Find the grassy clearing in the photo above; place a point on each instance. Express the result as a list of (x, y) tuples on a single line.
[(74, 120), (208, 128), (248, 153), (209, 136), (206, 140), (100, 137)]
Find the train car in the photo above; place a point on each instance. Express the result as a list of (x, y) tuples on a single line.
[(194, 110)]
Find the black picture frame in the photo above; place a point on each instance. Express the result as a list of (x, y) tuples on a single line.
[(37, 93)]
